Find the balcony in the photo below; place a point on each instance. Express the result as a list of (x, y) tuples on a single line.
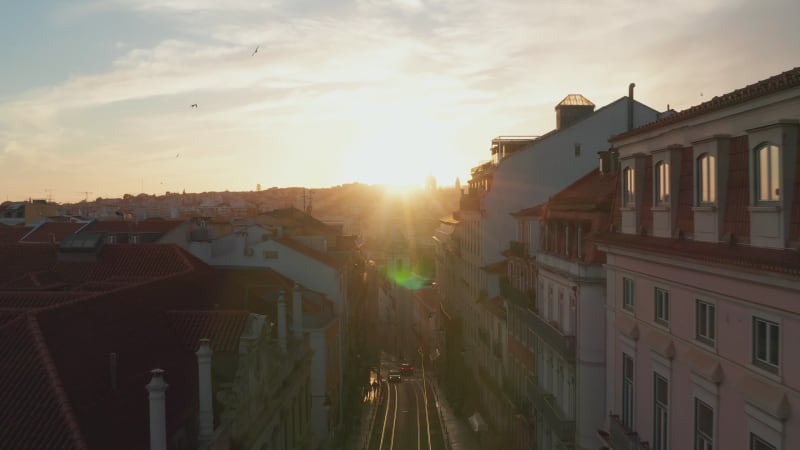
[(619, 437), (525, 300), (550, 334), (548, 410), (518, 249)]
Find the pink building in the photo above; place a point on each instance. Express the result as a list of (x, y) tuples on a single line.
[(703, 276)]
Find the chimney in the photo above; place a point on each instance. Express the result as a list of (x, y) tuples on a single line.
[(297, 312), (630, 105), (205, 394), (282, 320), (158, 411)]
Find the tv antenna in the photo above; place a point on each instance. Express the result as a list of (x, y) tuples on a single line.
[(86, 195)]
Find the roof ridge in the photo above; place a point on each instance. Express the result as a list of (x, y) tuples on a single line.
[(55, 382)]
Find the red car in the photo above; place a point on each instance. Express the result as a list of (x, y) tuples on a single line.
[(407, 369)]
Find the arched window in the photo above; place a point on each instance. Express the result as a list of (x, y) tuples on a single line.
[(706, 179), (768, 173), (628, 188), (661, 181)]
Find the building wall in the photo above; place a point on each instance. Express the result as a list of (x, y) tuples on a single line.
[(737, 298), (526, 178)]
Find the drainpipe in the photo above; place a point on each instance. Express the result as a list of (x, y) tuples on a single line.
[(282, 321), (205, 394)]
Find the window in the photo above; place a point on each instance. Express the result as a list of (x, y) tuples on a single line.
[(706, 322), (768, 171), (660, 412), (268, 254), (627, 293), (766, 344), (627, 391), (662, 306), (706, 179), (628, 188), (577, 149), (661, 181), (703, 426), (756, 443)]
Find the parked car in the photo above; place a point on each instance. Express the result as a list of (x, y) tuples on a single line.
[(407, 369), (394, 376)]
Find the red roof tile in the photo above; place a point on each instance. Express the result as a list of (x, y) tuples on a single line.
[(10, 234), (592, 191), (36, 412), (783, 81), (52, 232), (223, 328), (534, 211), (160, 226)]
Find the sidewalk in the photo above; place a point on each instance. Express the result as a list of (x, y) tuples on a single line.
[(459, 435)]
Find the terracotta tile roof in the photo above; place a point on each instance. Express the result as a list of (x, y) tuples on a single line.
[(35, 300), (783, 81), (36, 412), (81, 335), (160, 226), (50, 232), (783, 261), (496, 305), (223, 328), (535, 211), (17, 260), (9, 234), (592, 191)]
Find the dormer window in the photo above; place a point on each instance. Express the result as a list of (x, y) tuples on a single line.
[(661, 181), (628, 188), (706, 179), (768, 172)]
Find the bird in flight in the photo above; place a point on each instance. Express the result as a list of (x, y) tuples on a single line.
[(255, 51), (194, 105), (177, 154)]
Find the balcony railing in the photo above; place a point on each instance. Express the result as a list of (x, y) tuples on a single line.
[(564, 345), (622, 438), (516, 296), (545, 405)]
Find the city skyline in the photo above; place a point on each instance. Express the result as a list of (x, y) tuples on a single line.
[(120, 97)]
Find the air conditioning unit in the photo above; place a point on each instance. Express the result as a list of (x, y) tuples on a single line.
[(248, 251)]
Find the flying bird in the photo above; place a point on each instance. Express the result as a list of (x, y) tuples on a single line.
[(194, 105), (255, 51), (177, 154)]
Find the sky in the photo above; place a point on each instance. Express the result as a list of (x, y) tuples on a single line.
[(96, 95)]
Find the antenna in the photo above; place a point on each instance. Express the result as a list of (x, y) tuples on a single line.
[(86, 194), (49, 195)]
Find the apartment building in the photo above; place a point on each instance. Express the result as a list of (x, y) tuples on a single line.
[(703, 276)]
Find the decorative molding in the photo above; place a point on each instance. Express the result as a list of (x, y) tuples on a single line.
[(705, 365), (627, 326), (660, 343), (766, 397)]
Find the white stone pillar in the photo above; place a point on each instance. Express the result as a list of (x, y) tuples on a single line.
[(158, 411), (297, 312), (205, 392), (282, 321)]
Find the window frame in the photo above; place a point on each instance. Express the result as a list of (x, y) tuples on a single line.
[(708, 441), (660, 413), (628, 187), (661, 312), (628, 294), (628, 415), (661, 184), (774, 154), (766, 363), (712, 321), (752, 441), (706, 186)]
